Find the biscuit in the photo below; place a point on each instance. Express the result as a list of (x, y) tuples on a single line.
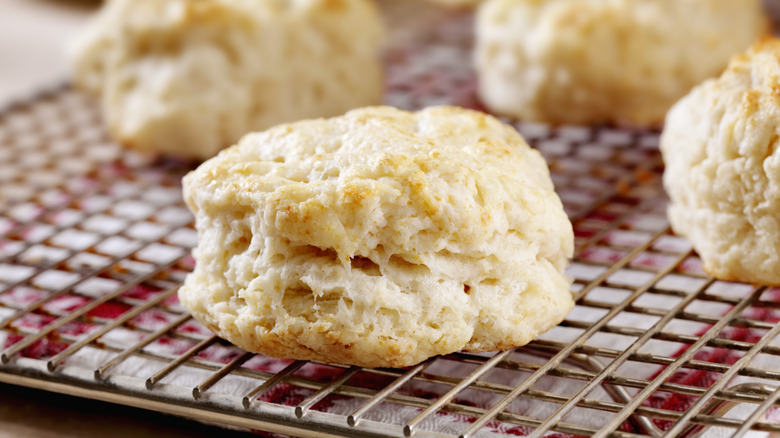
[(722, 155), (597, 61), (379, 238), (189, 78)]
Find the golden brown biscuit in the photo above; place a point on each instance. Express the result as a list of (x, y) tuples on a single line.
[(379, 238), (189, 78), (721, 149), (594, 61)]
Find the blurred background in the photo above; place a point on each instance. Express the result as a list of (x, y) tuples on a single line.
[(33, 34)]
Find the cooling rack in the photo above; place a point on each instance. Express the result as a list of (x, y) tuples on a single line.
[(95, 240)]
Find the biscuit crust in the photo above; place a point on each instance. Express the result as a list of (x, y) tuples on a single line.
[(379, 238), (720, 147), (597, 61), (188, 78)]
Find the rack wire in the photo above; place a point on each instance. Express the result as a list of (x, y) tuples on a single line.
[(95, 240)]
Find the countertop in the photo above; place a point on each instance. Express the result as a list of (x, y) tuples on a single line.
[(33, 39), (28, 413)]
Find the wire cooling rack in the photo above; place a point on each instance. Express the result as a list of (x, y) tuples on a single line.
[(95, 240)]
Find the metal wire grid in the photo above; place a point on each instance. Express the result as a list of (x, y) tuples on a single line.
[(94, 242), (609, 180)]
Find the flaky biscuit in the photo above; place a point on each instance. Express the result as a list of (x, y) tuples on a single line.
[(189, 78), (720, 147), (379, 238), (593, 61)]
